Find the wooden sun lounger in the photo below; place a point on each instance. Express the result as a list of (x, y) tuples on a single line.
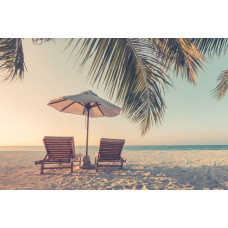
[(60, 150), (110, 152)]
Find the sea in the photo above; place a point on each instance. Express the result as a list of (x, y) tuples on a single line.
[(145, 148)]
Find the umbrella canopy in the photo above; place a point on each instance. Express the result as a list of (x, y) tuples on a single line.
[(83, 103), (87, 104)]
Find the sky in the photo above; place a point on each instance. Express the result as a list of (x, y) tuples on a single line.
[(193, 115)]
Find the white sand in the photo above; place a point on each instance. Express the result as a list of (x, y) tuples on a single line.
[(143, 170)]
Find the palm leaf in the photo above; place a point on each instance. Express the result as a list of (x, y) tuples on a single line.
[(12, 58), (134, 71), (40, 41), (181, 56), (12, 65), (222, 86), (131, 71), (211, 46)]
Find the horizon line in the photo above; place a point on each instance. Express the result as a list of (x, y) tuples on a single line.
[(131, 145)]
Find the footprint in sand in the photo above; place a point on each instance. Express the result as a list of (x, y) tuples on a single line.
[(128, 186), (139, 186), (117, 187), (108, 188)]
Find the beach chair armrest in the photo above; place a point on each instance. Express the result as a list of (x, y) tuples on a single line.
[(76, 158), (37, 162), (40, 161), (123, 160)]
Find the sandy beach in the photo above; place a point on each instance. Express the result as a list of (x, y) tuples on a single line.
[(144, 170)]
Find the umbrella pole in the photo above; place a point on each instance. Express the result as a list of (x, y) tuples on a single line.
[(87, 133), (86, 164)]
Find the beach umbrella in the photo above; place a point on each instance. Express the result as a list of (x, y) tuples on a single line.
[(88, 104)]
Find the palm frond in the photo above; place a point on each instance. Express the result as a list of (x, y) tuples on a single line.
[(40, 41), (12, 64), (222, 86), (211, 46), (180, 55), (131, 71)]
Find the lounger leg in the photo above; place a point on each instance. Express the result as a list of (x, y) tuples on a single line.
[(97, 166), (121, 165), (72, 167), (80, 163), (42, 169)]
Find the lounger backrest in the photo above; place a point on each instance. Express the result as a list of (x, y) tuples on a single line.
[(111, 148), (59, 147)]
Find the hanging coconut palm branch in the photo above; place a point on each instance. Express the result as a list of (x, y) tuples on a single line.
[(222, 86), (12, 64)]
